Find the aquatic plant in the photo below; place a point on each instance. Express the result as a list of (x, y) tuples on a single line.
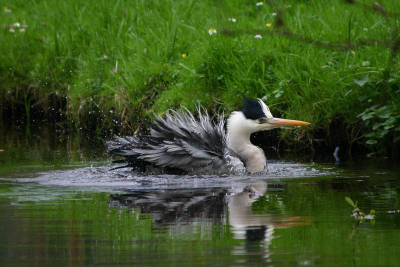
[(358, 215)]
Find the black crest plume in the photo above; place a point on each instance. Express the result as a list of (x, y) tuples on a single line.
[(252, 109)]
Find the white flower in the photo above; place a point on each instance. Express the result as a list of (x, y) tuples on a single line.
[(212, 31), (258, 36), (232, 19), (274, 14), (12, 30), (365, 29), (259, 4), (7, 10), (17, 25), (22, 30)]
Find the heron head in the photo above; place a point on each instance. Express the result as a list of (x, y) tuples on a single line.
[(259, 118)]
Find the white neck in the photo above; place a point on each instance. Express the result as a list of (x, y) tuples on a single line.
[(238, 139)]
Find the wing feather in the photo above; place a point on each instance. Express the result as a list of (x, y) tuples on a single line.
[(178, 141)]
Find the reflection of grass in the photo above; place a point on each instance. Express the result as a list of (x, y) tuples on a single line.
[(113, 62), (45, 151), (268, 204)]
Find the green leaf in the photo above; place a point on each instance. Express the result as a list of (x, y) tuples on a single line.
[(376, 125), (371, 134), (362, 98), (371, 142), (351, 90), (386, 114), (383, 108), (390, 121), (366, 116), (350, 201), (383, 133), (372, 212), (361, 81)]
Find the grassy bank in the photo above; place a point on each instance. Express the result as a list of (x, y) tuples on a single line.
[(112, 64)]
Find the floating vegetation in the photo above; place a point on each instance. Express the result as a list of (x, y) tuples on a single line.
[(359, 215)]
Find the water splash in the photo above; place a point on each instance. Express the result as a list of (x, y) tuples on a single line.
[(126, 179)]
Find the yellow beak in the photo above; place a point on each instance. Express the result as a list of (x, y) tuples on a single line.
[(284, 122)]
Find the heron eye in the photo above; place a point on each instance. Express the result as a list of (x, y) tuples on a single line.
[(260, 120)]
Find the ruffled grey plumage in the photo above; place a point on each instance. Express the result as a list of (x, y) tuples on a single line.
[(179, 142), (201, 146)]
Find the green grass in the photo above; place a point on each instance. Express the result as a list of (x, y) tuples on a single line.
[(120, 61)]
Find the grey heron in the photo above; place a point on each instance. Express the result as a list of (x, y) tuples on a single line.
[(201, 146)]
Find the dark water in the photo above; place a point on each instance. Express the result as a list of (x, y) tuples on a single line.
[(61, 206)]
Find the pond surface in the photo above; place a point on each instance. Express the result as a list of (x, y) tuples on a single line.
[(60, 205)]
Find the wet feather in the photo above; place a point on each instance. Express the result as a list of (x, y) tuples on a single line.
[(179, 141)]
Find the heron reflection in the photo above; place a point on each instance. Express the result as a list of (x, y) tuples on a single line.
[(190, 211)]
